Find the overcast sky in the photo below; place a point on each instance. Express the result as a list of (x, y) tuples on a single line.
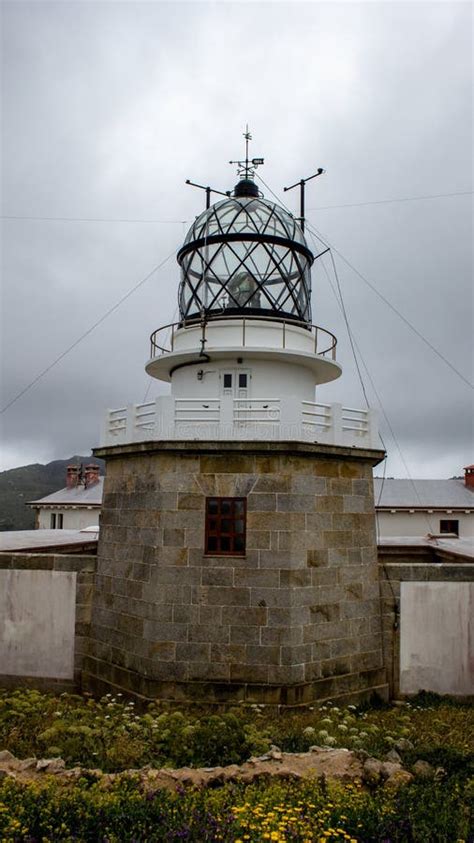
[(108, 108)]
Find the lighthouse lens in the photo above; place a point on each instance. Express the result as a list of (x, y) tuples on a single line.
[(246, 256)]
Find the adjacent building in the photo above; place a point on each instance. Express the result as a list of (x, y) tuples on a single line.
[(74, 507), (422, 507)]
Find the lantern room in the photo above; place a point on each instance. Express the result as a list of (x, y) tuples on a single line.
[(245, 256)]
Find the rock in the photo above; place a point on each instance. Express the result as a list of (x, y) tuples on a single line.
[(393, 756), (287, 774), (50, 765), (247, 778), (388, 768), (275, 748), (27, 764), (275, 755), (423, 770), (398, 779), (6, 756), (403, 744), (372, 771)]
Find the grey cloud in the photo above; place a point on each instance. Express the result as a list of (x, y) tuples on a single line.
[(108, 108)]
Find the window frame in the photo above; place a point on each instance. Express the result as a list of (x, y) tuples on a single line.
[(445, 521), (219, 516)]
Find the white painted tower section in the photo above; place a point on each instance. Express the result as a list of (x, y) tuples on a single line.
[(244, 360)]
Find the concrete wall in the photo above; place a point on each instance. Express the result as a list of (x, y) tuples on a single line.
[(437, 637), (37, 619), (427, 603), (422, 523), (73, 519), (45, 603)]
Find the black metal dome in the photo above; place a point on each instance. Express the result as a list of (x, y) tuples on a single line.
[(245, 256)]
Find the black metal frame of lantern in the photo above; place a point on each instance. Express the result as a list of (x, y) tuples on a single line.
[(269, 273)]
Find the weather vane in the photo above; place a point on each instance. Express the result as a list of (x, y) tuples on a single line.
[(246, 169)]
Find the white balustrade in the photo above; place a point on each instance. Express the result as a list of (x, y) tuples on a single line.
[(241, 418)]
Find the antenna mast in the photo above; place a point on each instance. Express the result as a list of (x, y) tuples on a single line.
[(302, 183)]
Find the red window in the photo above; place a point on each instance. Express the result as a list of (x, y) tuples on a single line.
[(225, 526)]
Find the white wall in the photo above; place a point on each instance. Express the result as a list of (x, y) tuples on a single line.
[(37, 620), (73, 519), (437, 637), (267, 380), (421, 523)]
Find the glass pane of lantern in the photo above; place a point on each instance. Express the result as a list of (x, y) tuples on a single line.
[(258, 262)]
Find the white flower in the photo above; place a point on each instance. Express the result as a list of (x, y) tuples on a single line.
[(309, 730)]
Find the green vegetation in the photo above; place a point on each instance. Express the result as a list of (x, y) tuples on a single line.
[(304, 812), (112, 735), (109, 734)]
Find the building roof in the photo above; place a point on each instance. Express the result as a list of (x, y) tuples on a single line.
[(61, 541), (422, 494), (77, 496), (458, 547)]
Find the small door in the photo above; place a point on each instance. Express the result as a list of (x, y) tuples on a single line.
[(236, 382), (242, 384)]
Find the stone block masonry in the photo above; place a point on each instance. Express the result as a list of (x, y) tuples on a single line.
[(294, 620)]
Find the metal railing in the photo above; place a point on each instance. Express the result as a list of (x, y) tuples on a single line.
[(162, 341)]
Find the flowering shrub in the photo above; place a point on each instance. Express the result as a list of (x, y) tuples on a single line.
[(112, 735), (303, 812)]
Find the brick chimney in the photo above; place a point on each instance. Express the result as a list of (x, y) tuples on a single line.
[(91, 475), (72, 476), (469, 476)]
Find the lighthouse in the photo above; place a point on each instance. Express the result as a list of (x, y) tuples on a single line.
[(237, 557)]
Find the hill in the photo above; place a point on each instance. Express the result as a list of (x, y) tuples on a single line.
[(29, 482)]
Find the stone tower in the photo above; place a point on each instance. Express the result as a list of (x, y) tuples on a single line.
[(237, 556)]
